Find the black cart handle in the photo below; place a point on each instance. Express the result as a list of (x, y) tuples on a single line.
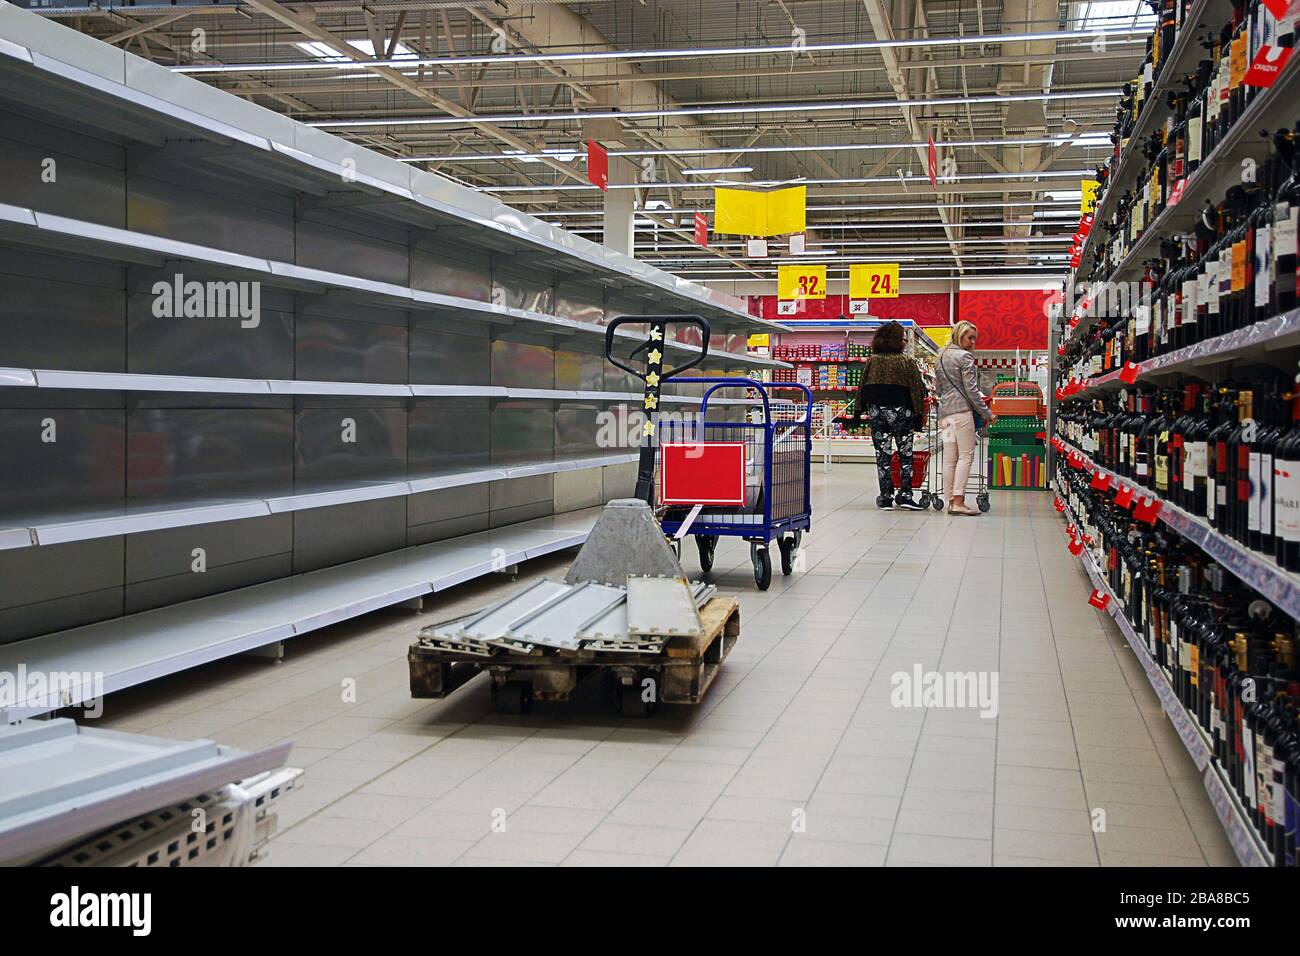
[(695, 320)]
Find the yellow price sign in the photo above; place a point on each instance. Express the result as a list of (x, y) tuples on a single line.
[(802, 281), (873, 280), (1088, 201), (758, 340)]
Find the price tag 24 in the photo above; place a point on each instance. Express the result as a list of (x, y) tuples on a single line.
[(873, 280)]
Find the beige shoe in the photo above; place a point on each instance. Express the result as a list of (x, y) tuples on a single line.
[(963, 510)]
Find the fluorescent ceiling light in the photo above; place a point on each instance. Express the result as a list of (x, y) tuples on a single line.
[(1021, 178), (879, 224), (815, 107), (1074, 194), (890, 207), (1086, 141), (716, 170), (1119, 35)]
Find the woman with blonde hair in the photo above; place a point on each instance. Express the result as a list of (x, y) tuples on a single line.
[(962, 412)]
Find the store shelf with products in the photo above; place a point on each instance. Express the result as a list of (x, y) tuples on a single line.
[(1256, 569), (1231, 159), (1242, 834)]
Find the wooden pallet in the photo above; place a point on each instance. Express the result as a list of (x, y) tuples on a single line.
[(681, 672)]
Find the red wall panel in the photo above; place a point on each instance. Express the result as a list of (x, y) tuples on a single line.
[(924, 308), (1007, 318)]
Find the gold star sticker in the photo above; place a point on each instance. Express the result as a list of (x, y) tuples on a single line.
[(655, 356), (652, 379), (656, 335), (652, 401), (649, 428)]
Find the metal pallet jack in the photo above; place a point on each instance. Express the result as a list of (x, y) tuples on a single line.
[(625, 608)]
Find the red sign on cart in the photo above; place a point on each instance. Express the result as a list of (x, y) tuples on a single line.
[(702, 473)]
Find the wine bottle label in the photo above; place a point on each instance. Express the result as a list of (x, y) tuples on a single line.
[(1220, 494), (1263, 261), (1265, 493), (1225, 271), (1239, 62), (1286, 499), (1276, 787), (1194, 139), (1210, 497), (1239, 265), (1284, 233), (1162, 472), (1248, 770), (1194, 663), (1141, 319), (1189, 302), (1193, 459), (1252, 492)]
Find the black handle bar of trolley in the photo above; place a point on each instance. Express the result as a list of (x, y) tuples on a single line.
[(762, 387), (654, 376)]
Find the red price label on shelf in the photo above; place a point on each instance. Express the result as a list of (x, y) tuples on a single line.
[(1268, 65), (1099, 600)]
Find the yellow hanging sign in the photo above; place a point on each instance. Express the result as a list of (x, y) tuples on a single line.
[(750, 212), (801, 281), (1088, 201), (758, 340), (873, 280)]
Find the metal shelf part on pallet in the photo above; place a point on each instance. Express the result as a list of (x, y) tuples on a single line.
[(1259, 572), (1245, 842)]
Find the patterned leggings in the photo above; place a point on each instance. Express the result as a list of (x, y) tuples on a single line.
[(892, 426)]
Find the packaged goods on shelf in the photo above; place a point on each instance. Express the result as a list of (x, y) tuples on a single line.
[(1220, 654)]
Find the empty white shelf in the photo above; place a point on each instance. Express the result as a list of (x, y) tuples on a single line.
[(151, 644)]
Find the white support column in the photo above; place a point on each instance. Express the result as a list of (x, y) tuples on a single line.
[(619, 209)]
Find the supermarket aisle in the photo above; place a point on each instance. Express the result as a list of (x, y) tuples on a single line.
[(797, 756)]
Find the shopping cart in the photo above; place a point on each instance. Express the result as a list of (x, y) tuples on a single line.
[(926, 473), (977, 483), (772, 501)]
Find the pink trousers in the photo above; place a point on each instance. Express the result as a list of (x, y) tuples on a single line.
[(957, 432)]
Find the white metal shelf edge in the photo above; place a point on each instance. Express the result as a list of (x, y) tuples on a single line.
[(151, 644)]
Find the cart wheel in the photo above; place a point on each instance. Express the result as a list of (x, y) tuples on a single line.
[(787, 554), (983, 502), (762, 567), (707, 545), (630, 702), (514, 697), (937, 503)]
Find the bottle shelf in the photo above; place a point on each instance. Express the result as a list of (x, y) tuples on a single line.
[(1182, 57), (1257, 341), (1244, 839), (1222, 168), (1256, 570)]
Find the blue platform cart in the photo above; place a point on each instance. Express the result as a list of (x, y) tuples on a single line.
[(778, 464)]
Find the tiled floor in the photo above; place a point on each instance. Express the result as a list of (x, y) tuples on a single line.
[(796, 757)]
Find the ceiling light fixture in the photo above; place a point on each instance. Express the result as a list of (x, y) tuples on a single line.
[(582, 116), (703, 171), (1121, 35)]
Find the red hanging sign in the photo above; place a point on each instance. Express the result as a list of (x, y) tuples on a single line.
[(1124, 496), (1058, 504), (1268, 65), (1278, 8), (932, 162), (701, 230), (1100, 481), (597, 164), (1129, 373), (1075, 547), (1099, 600)]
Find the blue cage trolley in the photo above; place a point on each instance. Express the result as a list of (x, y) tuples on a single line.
[(778, 465)]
